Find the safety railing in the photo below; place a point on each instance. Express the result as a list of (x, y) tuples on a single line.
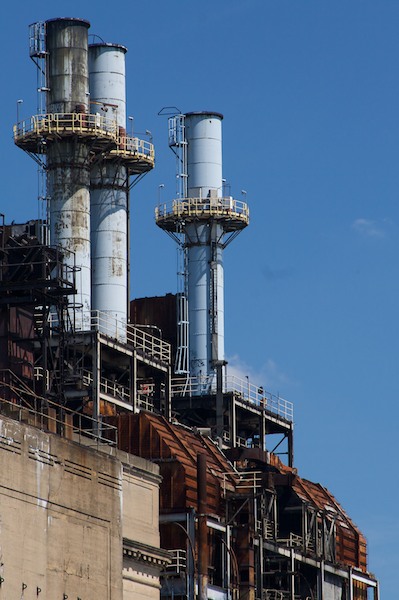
[(114, 390), (292, 541), (203, 208), (39, 264), (61, 123), (178, 562), (118, 330), (149, 344), (242, 442), (141, 340), (19, 402), (145, 396), (103, 131), (135, 146), (260, 397), (249, 482), (109, 388), (254, 394)]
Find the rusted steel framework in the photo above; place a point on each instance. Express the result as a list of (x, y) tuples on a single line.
[(270, 534), (33, 281)]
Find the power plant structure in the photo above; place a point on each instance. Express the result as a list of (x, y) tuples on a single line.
[(137, 467)]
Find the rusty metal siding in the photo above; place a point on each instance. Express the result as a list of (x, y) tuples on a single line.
[(21, 333), (16, 336), (175, 449), (159, 311), (351, 546)]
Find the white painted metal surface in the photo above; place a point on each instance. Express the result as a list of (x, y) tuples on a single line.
[(203, 243), (109, 191), (203, 221), (204, 154), (108, 81)]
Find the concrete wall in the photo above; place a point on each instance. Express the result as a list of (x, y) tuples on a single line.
[(142, 558), (67, 512)]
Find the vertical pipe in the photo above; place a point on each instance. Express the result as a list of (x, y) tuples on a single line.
[(229, 578), (203, 550), (290, 437), (190, 578), (96, 375), (292, 575), (377, 592), (321, 580), (204, 244), (134, 399), (68, 175), (219, 401), (245, 551), (351, 595), (109, 193)]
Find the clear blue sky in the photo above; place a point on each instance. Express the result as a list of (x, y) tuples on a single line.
[(310, 94)]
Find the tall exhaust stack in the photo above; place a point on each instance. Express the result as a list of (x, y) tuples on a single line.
[(68, 169), (109, 193), (61, 138), (110, 190), (80, 138), (204, 221)]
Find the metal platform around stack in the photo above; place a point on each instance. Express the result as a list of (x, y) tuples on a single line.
[(233, 214), (33, 135)]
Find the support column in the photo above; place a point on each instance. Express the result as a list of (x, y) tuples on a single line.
[(203, 550), (321, 580), (292, 576), (168, 395), (96, 375), (219, 400), (133, 382)]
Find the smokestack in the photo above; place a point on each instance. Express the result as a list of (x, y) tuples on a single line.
[(109, 194), (204, 243), (68, 173), (206, 222), (88, 154)]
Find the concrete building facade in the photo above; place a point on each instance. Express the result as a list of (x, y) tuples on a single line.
[(75, 521)]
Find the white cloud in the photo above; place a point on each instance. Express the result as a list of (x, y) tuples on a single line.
[(370, 228), (269, 375)]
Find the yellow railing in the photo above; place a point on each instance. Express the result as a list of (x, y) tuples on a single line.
[(87, 125), (133, 146), (60, 123), (203, 208)]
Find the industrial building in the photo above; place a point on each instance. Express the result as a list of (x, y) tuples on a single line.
[(133, 465)]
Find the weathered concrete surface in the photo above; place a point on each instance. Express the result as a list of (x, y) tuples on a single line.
[(64, 509)]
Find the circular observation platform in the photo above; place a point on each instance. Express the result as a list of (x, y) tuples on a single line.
[(97, 130), (137, 155), (232, 214)]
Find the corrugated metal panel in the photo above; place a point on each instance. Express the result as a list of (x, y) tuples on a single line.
[(351, 547), (175, 448)]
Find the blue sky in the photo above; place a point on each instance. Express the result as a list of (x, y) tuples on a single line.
[(310, 94)]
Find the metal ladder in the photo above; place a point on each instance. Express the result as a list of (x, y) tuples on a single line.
[(178, 144)]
